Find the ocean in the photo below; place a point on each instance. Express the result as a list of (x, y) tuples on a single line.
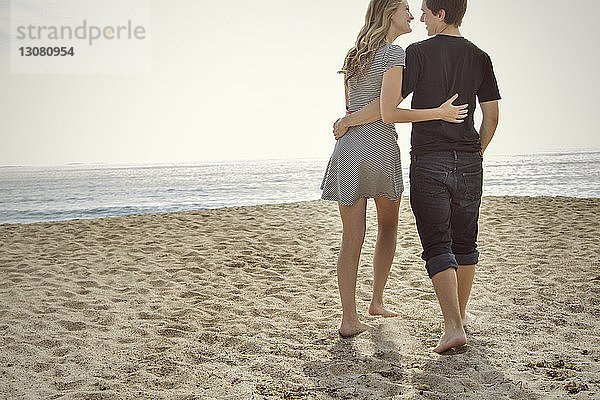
[(35, 194)]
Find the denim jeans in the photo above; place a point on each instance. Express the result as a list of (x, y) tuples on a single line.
[(445, 195)]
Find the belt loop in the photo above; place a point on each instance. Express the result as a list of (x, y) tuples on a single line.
[(455, 155)]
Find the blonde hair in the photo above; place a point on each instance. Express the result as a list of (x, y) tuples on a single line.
[(370, 38)]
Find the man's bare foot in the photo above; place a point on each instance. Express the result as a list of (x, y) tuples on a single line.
[(451, 340), (352, 329), (379, 309)]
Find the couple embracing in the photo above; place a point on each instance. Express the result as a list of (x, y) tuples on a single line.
[(446, 154)]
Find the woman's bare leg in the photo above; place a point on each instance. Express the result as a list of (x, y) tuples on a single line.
[(385, 249), (353, 221)]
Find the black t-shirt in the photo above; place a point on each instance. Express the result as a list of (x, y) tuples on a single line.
[(436, 69)]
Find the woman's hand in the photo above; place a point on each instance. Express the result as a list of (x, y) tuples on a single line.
[(451, 113), (339, 128)]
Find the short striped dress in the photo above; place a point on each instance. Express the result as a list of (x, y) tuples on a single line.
[(366, 160)]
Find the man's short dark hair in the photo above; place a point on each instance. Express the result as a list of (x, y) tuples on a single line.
[(455, 10)]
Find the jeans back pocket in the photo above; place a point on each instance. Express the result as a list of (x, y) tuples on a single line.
[(423, 180), (473, 184)]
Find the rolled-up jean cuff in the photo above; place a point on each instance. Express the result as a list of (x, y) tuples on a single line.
[(440, 263), (467, 259)]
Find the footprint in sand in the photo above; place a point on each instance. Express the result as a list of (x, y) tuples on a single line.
[(73, 325)]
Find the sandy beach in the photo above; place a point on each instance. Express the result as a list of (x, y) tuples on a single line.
[(242, 303)]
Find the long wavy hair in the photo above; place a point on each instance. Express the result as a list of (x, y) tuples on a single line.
[(370, 38)]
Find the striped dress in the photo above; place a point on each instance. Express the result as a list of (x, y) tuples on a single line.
[(366, 160)]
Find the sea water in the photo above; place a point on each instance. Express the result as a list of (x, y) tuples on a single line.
[(34, 194)]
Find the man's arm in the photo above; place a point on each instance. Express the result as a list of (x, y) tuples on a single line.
[(386, 106), (369, 113), (489, 123)]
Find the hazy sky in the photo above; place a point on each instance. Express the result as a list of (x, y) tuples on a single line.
[(252, 80)]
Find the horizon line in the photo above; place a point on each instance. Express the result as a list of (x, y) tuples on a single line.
[(181, 163)]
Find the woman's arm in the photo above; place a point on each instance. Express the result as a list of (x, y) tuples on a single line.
[(346, 92), (391, 97)]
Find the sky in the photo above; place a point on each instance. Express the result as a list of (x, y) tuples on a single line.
[(233, 80)]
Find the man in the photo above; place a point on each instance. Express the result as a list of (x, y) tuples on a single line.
[(446, 159)]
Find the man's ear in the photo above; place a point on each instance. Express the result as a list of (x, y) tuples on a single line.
[(442, 15)]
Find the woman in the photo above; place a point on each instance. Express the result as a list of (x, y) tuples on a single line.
[(366, 160)]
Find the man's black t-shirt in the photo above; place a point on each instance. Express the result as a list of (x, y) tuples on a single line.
[(436, 69)]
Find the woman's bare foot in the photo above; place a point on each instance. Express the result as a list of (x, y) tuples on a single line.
[(352, 329), (451, 340), (379, 309)]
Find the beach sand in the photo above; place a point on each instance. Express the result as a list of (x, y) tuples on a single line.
[(242, 303)]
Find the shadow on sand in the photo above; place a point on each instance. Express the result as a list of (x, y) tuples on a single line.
[(384, 363)]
